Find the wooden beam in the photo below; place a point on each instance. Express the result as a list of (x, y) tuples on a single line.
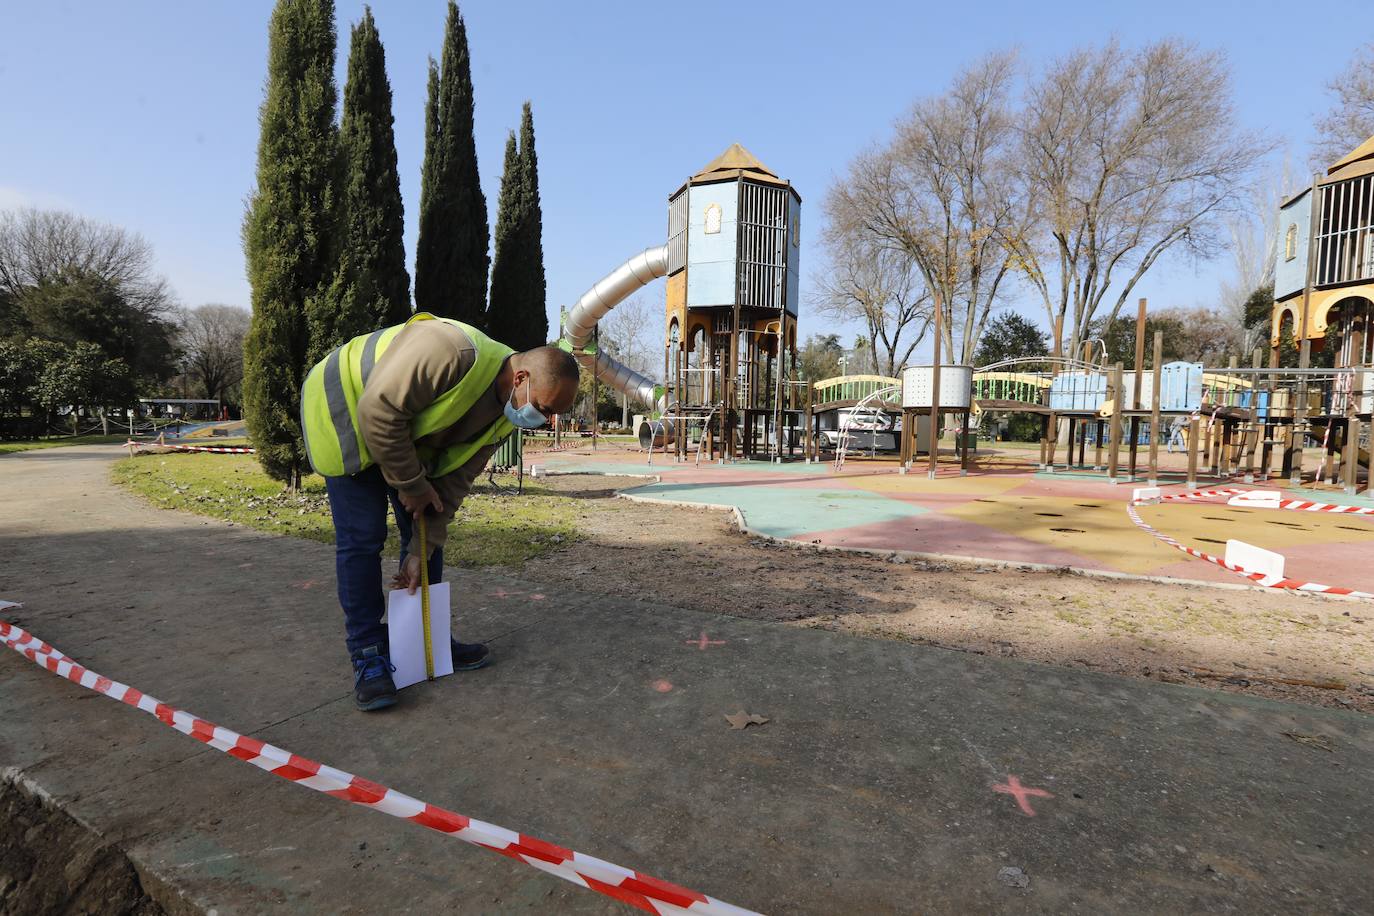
[(1139, 380), (1155, 429), (1114, 443), (1194, 434)]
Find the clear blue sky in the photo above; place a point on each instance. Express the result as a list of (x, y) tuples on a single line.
[(144, 113)]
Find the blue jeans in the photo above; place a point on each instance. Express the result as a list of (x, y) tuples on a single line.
[(359, 506)]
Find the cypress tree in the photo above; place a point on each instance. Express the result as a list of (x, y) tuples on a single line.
[(371, 287), (537, 320), (503, 316), (287, 227), (451, 253), (517, 316)]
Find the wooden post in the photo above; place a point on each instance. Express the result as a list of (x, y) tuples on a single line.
[(1252, 437), (965, 434), (1352, 415), (1194, 433), (1073, 428), (1053, 421), (1139, 380), (1271, 425), (1097, 451), (902, 455), (1155, 430), (1114, 446), (1044, 438)]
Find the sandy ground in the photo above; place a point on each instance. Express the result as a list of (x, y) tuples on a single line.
[(1243, 641)]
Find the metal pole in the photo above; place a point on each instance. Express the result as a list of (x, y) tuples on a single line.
[(596, 388)]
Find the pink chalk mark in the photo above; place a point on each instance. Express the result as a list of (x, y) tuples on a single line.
[(537, 597), (502, 593), (1013, 787), (663, 686), (307, 584), (703, 642)]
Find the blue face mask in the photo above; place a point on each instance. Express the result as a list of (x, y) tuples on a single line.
[(527, 417)]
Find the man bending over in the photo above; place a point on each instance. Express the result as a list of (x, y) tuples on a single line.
[(408, 417)]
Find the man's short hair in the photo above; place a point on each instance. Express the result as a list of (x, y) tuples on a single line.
[(552, 364)]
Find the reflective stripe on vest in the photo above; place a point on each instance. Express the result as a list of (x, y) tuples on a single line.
[(329, 404)]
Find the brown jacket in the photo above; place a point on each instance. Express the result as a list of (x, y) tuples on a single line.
[(424, 360)]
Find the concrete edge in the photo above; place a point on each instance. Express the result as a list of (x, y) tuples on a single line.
[(160, 888)]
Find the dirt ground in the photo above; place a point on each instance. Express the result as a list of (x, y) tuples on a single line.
[(49, 863), (1248, 641)]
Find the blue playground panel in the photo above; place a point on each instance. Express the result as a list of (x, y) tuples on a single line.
[(790, 511), (1180, 387), (1078, 391)]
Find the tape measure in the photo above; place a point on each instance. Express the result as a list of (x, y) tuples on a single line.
[(421, 525)]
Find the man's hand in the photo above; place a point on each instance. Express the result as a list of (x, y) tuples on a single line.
[(408, 576), (418, 504)]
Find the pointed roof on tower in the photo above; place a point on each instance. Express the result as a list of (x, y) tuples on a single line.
[(737, 162), (735, 157), (1359, 161)]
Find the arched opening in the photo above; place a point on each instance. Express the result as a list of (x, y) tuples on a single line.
[(672, 354), (698, 359), (1285, 340), (1343, 320)]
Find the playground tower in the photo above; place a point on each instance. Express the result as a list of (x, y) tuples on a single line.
[(731, 309), (1324, 266), (730, 345)]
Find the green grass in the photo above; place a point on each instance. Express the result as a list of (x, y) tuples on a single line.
[(491, 529), (24, 445)]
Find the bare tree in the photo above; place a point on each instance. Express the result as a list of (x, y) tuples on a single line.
[(881, 289), (1350, 120), (941, 195), (629, 330), (628, 333), (211, 340), (39, 247), (1125, 156), (1253, 231)]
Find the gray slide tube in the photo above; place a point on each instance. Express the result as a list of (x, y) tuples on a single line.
[(610, 290)]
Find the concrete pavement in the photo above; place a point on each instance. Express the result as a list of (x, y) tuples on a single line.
[(891, 777)]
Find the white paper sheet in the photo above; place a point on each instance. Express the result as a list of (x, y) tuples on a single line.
[(405, 626)]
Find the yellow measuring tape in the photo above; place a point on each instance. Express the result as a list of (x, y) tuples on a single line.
[(421, 525)]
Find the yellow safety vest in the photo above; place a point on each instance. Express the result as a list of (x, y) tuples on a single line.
[(329, 404)]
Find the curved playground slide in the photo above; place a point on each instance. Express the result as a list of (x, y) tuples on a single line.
[(609, 291)]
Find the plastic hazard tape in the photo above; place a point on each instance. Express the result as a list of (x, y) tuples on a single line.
[(1257, 578), (1302, 505), (218, 449), (639, 890)]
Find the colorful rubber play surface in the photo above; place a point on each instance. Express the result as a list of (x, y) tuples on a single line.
[(1001, 513)]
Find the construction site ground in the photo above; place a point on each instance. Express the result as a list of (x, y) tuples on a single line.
[(890, 776)]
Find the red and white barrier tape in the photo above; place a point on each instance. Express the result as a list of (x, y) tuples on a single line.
[(639, 890), (1302, 505), (217, 449), (1298, 505)]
